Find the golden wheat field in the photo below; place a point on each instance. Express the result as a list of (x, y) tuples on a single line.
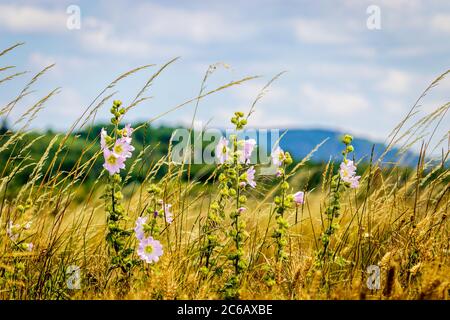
[(366, 229)]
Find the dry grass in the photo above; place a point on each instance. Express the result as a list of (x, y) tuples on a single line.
[(397, 222)]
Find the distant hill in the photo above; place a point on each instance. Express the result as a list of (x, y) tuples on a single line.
[(299, 142)]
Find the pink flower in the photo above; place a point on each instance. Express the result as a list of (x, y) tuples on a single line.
[(241, 209), (251, 177), (113, 163), (278, 156), (127, 131), (222, 152), (355, 182), (247, 149), (347, 171), (150, 250), (123, 148), (299, 197)]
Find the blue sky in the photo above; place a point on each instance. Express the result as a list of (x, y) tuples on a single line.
[(340, 74)]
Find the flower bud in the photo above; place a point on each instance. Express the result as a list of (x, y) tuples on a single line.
[(347, 139)]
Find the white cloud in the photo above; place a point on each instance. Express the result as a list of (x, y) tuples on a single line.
[(407, 52), (392, 108), (100, 36), (32, 19), (333, 103), (195, 25), (395, 82), (318, 32), (248, 92), (63, 64), (40, 60), (441, 23)]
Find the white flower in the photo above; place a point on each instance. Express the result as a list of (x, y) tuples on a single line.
[(222, 152)]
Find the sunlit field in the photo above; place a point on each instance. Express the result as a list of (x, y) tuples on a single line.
[(104, 211)]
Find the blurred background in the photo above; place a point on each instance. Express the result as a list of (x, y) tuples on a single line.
[(354, 66)]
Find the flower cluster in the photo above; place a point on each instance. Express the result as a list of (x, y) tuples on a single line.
[(345, 178), (148, 227), (116, 149), (149, 249), (347, 171), (237, 175), (120, 150)]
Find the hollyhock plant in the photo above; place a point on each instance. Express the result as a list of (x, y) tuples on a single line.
[(117, 235), (222, 152), (347, 174), (150, 250), (299, 197), (113, 162)]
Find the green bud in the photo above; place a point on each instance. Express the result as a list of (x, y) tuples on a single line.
[(222, 177), (347, 139), (225, 191), (288, 157)]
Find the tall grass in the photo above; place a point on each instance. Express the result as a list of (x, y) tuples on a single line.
[(396, 219)]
